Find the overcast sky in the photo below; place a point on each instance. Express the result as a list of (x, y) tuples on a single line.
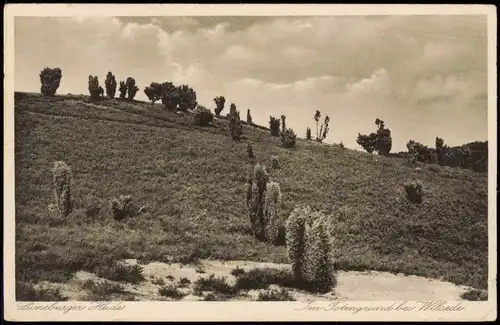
[(425, 76)]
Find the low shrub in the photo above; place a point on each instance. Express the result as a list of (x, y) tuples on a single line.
[(275, 162), (28, 292), (237, 272), (250, 151), (213, 283), (158, 281), (101, 290), (202, 116), (122, 207), (275, 295), (414, 190), (262, 278), (171, 291), (288, 138), (121, 272), (475, 295), (210, 297), (184, 282)]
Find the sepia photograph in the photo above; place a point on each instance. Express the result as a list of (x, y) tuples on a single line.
[(235, 157)]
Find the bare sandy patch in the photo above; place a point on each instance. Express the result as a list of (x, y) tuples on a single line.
[(352, 285)]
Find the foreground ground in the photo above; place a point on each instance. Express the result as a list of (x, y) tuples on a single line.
[(192, 181), (352, 285)]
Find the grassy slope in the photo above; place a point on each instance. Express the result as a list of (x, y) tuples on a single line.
[(193, 181)]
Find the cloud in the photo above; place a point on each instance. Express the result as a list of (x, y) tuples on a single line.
[(406, 70)]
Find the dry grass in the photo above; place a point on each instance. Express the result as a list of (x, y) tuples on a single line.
[(192, 179)]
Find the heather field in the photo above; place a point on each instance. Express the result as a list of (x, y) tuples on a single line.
[(191, 182)]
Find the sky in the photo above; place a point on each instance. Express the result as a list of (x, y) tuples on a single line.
[(424, 76)]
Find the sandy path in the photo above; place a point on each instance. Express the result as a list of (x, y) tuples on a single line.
[(352, 285)]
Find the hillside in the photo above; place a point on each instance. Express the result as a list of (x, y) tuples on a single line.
[(192, 180)]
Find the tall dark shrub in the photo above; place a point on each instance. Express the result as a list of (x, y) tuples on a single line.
[(318, 267), (308, 134), (383, 145), (295, 239), (154, 91), (95, 90), (380, 142), (317, 116), (257, 201), (132, 89), (249, 118), (323, 131), (367, 142), (420, 151), (250, 151), (61, 177), (272, 212), (440, 150), (187, 98), (110, 84), (50, 80), (170, 96), (283, 125), (274, 125), (219, 103), (235, 125), (123, 89)]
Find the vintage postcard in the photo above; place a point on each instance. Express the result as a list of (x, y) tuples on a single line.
[(250, 162)]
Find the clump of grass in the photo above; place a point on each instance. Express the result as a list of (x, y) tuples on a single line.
[(171, 291), (275, 295), (200, 269), (101, 290), (170, 277), (121, 272), (237, 271), (216, 284), (475, 295), (184, 282), (414, 190)]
